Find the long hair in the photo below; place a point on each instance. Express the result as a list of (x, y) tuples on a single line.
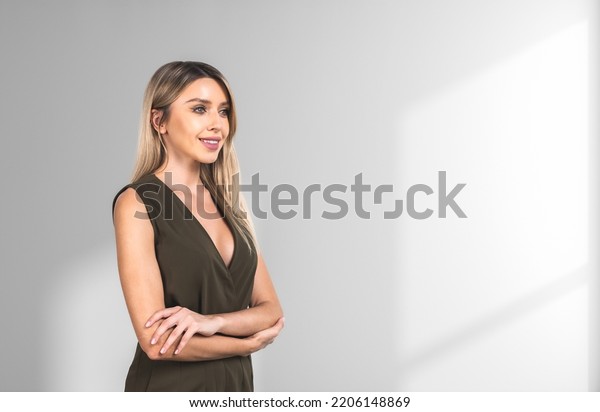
[(220, 178)]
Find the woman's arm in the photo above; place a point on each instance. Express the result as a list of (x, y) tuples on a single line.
[(217, 346), (263, 313), (143, 290)]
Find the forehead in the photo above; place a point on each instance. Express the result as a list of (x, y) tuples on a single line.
[(205, 89)]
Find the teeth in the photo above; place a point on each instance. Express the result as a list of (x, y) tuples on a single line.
[(211, 141)]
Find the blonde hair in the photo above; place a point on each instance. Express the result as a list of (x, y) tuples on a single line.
[(164, 87)]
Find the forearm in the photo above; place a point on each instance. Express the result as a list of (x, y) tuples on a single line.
[(201, 348), (249, 321)]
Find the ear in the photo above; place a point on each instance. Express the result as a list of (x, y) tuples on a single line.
[(156, 120)]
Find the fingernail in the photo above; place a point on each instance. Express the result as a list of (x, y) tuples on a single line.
[(148, 324), (153, 341), (176, 351), (163, 350)]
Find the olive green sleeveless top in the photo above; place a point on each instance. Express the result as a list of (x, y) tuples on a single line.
[(194, 276)]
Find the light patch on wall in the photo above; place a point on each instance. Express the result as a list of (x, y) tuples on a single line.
[(480, 298)]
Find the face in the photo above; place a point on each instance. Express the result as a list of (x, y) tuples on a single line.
[(198, 124)]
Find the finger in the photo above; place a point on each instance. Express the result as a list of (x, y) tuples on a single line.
[(277, 327), (184, 340), (167, 324), (160, 314), (163, 313), (270, 335), (268, 341), (172, 337)]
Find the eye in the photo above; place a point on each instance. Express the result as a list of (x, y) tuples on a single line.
[(224, 112), (199, 109)]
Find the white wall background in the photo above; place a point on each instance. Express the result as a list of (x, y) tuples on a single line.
[(500, 95)]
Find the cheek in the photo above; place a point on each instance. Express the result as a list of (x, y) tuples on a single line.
[(192, 125), (178, 126)]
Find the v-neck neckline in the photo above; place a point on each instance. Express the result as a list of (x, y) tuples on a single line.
[(210, 239)]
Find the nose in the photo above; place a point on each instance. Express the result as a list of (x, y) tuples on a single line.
[(214, 121)]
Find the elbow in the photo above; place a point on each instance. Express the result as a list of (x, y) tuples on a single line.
[(278, 312), (152, 351), (154, 354)]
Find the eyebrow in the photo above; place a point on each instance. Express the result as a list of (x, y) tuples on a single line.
[(204, 101)]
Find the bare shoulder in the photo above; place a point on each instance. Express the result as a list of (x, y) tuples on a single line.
[(130, 211), (133, 230), (128, 203)]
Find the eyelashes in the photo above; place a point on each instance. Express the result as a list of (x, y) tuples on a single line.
[(199, 109), (202, 110)]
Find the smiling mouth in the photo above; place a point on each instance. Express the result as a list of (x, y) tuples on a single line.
[(211, 143), (211, 140)]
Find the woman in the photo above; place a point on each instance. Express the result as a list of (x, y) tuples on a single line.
[(196, 287)]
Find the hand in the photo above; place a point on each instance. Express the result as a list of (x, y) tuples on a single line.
[(186, 324), (265, 337)]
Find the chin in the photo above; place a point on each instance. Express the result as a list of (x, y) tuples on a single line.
[(208, 159)]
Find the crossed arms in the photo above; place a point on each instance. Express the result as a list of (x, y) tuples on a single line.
[(178, 333)]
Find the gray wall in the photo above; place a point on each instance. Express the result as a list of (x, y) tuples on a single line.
[(500, 95)]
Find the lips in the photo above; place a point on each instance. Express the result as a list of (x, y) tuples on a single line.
[(211, 143)]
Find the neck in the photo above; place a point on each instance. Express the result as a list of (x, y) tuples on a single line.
[(177, 174)]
